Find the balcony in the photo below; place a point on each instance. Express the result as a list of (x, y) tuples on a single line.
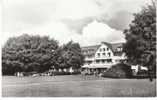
[(89, 59)]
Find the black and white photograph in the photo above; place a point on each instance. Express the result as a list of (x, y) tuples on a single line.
[(78, 48)]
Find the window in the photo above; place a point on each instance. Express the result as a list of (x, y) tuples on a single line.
[(89, 62), (103, 49), (98, 54), (103, 61), (104, 54), (91, 50), (107, 49), (97, 61), (109, 54), (109, 60), (119, 49), (89, 56), (100, 50)]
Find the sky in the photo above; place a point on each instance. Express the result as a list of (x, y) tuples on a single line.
[(88, 22)]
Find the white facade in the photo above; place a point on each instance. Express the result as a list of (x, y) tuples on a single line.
[(104, 56)]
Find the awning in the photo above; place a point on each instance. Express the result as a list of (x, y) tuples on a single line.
[(85, 66), (97, 66)]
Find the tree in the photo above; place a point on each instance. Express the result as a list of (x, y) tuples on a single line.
[(140, 46), (70, 56), (28, 53)]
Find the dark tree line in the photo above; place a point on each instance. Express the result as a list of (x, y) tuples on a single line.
[(69, 55), (35, 53), (140, 46)]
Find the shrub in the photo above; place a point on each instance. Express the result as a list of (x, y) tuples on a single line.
[(66, 73), (75, 73), (61, 73), (118, 71), (144, 74)]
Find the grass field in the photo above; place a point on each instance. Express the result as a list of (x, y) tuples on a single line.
[(76, 86)]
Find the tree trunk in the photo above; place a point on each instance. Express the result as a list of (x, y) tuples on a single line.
[(149, 74)]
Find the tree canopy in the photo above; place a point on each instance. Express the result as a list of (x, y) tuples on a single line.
[(70, 56), (140, 46), (35, 53), (28, 53)]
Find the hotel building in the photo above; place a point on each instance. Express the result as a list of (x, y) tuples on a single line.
[(102, 56)]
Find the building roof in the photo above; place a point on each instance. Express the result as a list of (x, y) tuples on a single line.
[(91, 47), (115, 46), (90, 50)]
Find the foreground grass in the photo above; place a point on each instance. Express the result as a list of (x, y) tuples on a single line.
[(75, 86)]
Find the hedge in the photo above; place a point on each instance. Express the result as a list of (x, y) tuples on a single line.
[(118, 71)]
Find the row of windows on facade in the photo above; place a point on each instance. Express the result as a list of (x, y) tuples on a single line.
[(99, 55), (102, 61), (88, 51), (119, 49), (91, 50), (104, 54), (103, 49)]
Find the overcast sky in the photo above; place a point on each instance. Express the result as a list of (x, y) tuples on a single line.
[(85, 21)]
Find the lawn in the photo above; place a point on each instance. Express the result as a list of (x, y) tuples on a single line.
[(75, 86)]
